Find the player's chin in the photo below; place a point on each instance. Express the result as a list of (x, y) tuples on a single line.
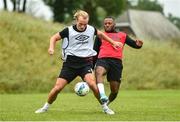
[(108, 30)]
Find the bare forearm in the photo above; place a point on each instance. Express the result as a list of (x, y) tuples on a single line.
[(52, 44), (115, 44), (104, 37)]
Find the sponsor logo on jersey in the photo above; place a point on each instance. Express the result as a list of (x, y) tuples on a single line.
[(82, 37)]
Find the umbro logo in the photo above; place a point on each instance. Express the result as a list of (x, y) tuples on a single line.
[(82, 37), (90, 70)]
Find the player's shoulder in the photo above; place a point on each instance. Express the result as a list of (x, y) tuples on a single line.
[(90, 26), (64, 29), (121, 33)]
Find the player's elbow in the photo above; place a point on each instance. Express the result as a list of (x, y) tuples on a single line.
[(55, 37), (100, 34)]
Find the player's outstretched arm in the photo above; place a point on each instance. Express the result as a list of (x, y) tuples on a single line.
[(137, 44), (114, 43), (52, 44)]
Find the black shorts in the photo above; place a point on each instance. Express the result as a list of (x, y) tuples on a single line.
[(113, 68), (75, 66)]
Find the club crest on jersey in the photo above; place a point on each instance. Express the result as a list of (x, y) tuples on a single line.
[(82, 37)]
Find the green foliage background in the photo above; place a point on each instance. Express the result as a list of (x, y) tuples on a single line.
[(64, 9), (25, 65), (148, 5)]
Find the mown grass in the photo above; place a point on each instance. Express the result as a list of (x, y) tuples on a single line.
[(25, 65), (147, 105)]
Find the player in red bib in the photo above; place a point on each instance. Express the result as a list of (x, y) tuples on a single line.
[(109, 59)]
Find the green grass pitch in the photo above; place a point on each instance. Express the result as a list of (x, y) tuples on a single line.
[(159, 105)]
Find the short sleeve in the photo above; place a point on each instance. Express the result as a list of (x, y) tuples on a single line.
[(64, 33), (95, 31)]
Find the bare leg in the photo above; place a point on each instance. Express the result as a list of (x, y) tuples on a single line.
[(60, 84), (99, 73), (114, 85), (90, 79)]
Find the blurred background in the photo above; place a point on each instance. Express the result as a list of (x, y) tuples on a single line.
[(27, 25)]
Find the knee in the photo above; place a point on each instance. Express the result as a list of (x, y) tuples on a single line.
[(98, 73)]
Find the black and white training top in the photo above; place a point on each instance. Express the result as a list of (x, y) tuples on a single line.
[(78, 43)]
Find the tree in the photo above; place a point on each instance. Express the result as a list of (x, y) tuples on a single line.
[(90, 7), (24, 6), (174, 20), (5, 4), (112, 7), (16, 5), (148, 5), (64, 9)]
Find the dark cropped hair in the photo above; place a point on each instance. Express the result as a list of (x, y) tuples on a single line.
[(109, 17)]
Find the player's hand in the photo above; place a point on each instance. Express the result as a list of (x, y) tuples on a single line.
[(117, 45), (139, 43), (51, 51)]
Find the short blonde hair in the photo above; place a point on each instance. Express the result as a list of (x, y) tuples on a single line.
[(81, 13)]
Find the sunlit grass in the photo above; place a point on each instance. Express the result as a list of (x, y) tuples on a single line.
[(159, 105)]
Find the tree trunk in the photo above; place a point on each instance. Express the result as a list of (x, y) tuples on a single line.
[(5, 5), (24, 6), (14, 5)]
